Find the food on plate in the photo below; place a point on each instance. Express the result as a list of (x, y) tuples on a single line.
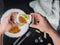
[(14, 15), (23, 19), (14, 30), (26, 16)]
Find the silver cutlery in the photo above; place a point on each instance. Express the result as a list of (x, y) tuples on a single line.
[(16, 41), (27, 35)]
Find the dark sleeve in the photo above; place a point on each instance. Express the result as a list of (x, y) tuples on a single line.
[(1, 7)]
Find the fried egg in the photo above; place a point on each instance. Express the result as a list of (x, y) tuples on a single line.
[(23, 19)]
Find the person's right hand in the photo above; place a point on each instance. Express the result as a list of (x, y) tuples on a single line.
[(43, 24)]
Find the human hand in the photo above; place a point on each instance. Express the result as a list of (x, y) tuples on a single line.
[(8, 22), (43, 24)]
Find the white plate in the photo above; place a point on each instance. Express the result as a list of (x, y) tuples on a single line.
[(23, 28)]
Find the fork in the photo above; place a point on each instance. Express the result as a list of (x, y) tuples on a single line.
[(27, 35)]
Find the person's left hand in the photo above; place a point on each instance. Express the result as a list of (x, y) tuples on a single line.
[(8, 22)]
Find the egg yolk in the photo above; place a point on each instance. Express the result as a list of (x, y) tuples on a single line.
[(22, 19), (14, 30)]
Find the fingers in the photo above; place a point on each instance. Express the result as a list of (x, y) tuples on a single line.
[(14, 13), (9, 15), (15, 24), (34, 18), (33, 26), (38, 16)]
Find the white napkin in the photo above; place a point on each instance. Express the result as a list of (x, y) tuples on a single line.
[(48, 9)]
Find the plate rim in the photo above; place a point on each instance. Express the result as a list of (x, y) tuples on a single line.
[(9, 11)]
